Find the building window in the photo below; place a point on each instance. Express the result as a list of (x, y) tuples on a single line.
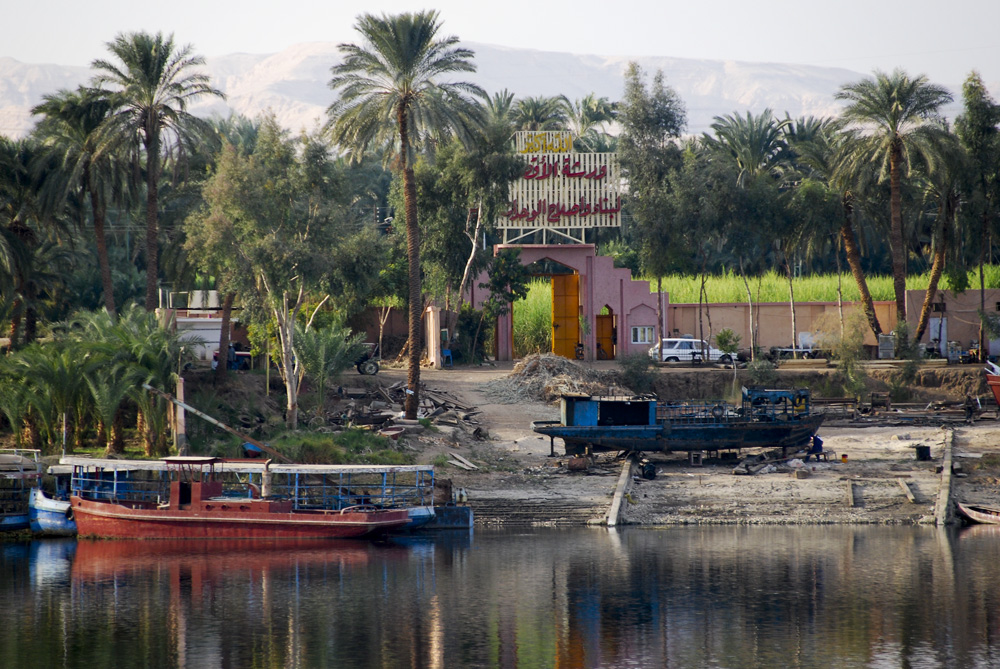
[(642, 335)]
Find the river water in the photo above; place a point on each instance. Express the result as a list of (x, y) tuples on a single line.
[(827, 596)]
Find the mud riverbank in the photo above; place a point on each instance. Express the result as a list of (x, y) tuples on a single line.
[(519, 482)]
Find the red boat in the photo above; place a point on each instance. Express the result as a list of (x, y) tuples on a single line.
[(993, 380), (197, 509)]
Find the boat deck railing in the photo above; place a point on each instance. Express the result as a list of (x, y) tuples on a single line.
[(107, 485), (308, 487), (701, 413), (389, 489)]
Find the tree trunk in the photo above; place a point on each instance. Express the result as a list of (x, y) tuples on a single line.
[(117, 443), (466, 274), (152, 205), (840, 292), (791, 300), (659, 311), (896, 230), (285, 321), (102, 252), (983, 241), (854, 261), (222, 363), (413, 258), (753, 338), (945, 214)]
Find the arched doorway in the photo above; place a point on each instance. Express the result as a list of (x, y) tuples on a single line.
[(606, 333)]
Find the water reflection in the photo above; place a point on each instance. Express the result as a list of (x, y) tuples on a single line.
[(765, 596)]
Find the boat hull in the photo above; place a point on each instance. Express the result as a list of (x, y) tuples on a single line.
[(14, 521), (980, 514), (993, 381), (230, 519), (50, 516), (729, 435)]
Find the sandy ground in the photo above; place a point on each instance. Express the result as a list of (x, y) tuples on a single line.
[(519, 481)]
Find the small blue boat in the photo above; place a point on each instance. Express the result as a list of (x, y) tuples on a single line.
[(771, 418), (52, 514)]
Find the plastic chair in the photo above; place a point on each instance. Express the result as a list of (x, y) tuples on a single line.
[(446, 359)]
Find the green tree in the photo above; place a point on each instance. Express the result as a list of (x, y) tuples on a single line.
[(150, 87), (978, 133), (943, 189), (390, 93), (68, 132), (326, 353), (827, 154), (895, 109), (756, 148), (507, 281), (652, 119)]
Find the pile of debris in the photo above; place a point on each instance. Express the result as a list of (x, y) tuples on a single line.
[(381, 407), (547, 377)]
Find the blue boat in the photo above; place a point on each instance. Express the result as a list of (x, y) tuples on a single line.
[(19, 474), (771, 418), (51, 514)]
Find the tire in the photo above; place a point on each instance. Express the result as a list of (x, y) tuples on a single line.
[(672, 359), (726, 359), (368, 367), (718, 411)]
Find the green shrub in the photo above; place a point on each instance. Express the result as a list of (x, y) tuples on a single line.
[(351, 447), (847, 346), (638, 373), (762, 372)]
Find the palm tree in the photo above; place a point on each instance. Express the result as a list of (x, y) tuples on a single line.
[(389, 94), (540, 113), (827, 153), (756, 144), (68, 132), (150, 88), (587, 118), (894, 109), (943, 186)]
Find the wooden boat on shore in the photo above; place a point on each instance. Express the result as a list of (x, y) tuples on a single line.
[(993, 380), (767, 418), (19, 475), (196, 508), (977, 513)]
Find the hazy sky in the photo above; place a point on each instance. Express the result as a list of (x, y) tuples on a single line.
[(944, 40)]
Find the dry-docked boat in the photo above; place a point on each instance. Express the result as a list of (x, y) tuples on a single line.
[(993, 380), (767, 418), (197, 507), (19, 475), (977, 513)]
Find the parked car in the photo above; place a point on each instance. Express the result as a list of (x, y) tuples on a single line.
[(686, 349)]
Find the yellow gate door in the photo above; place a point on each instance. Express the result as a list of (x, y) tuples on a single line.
[(605, 337), (565, 314)]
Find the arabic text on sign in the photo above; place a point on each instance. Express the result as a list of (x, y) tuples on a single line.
[(540, 167), (548, 142), (554, 212)]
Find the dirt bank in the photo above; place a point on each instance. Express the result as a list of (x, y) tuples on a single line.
[(520, 482)]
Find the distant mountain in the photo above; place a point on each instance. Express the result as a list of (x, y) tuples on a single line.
[(293, 83)]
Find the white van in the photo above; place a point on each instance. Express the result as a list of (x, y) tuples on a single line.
[(686, 349)]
